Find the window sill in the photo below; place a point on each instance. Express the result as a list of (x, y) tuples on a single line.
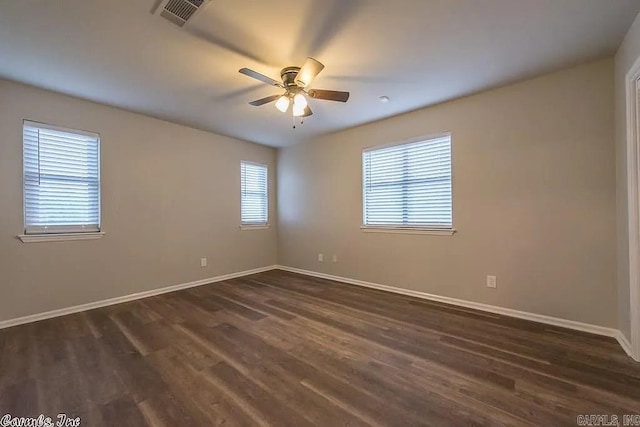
[(62, 237), (400, 230), (254, 227)]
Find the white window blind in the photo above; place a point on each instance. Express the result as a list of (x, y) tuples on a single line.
[(254, 194), (61, 180), (408, 185)]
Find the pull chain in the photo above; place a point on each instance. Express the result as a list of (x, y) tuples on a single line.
[(294, 121)]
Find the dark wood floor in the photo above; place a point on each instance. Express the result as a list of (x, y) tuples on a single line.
[(283, 349)]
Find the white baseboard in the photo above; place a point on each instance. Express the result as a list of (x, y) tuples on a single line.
[(626, 345), (555, 321), (549, 320), (127, 298)]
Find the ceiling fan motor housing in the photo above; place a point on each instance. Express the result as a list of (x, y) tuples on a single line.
[(288, 75)]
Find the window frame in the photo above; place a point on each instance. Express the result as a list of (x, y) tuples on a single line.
[(255, 225), (60, 233), (407, 229)]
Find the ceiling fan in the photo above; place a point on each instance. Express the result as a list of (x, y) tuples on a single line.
[(295, 81)]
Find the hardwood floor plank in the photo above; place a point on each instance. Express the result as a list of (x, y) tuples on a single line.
[(165, 411), (227, 292), (264, 406), (353, 359), (122, 412), (331, 349), (455, 361), (205, 404), (279, 348), (188, 310), (236, 308), (338, 388), (19, 399), (140, 379)]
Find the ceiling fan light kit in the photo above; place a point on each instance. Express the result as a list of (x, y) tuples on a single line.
[(299, 101), (295, 81), (282, 103)]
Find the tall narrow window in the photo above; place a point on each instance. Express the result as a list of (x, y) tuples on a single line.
[(408, 185), (254, 198), (61, 180)]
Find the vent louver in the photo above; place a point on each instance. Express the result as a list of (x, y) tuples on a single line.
[(180, 11)]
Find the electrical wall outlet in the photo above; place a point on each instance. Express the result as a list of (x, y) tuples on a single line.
[(320, 258), (203, 262), (334, 258), (492, 282)]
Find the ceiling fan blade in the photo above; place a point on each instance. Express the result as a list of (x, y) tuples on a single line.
[(256, 75), (308, 72), (266, 100), (307, 112), (329, 95)]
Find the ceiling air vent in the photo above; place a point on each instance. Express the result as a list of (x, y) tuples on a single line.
[(179, 11)]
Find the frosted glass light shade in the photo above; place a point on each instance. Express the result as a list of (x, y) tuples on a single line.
[(299, 101), (297, 111), (282, 103)]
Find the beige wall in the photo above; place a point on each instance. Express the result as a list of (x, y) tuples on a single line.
[(170, 195), (534, 200), (627, 54)]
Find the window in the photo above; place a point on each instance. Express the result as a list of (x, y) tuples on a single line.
[(408, 185), (254, 199), (61, 180)]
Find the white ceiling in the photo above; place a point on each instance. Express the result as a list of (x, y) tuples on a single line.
[(417, 52)]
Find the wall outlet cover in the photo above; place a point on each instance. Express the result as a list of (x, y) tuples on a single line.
[(492, 282)]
